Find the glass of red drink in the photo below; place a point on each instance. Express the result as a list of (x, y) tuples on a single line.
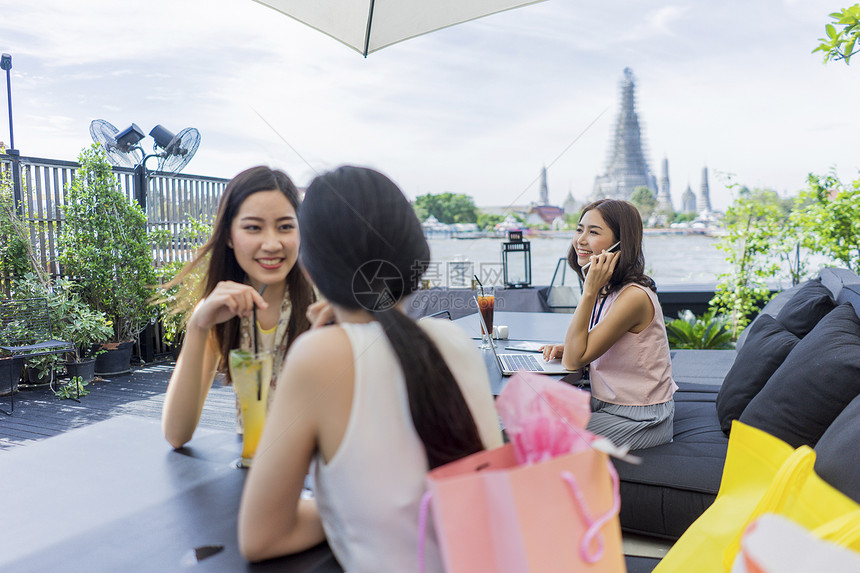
[(486, 305)]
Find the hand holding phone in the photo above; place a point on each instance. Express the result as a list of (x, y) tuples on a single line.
[(609, 250)]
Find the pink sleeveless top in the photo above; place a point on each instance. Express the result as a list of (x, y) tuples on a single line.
[(637, 369)]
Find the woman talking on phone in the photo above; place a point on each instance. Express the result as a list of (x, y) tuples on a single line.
[(617, 334)]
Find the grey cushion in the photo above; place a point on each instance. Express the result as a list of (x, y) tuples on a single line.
[(772, 308), (838, 452), (768, 344), (814, 384), (809, 305), (676, 482)]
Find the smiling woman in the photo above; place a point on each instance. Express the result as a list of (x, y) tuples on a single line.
[(264, 237), (245, 271), (617, 334)]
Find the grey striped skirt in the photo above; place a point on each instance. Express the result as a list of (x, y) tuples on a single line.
[(636, 426)]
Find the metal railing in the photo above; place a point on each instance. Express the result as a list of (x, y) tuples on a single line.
[(172, 200)]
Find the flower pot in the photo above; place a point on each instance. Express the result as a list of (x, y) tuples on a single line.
[(10, 373), (115, 360), (36, 377), (86, 369)]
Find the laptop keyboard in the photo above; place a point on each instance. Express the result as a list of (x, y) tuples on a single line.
[(514, 362)]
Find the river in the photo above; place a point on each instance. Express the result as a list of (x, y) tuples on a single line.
[(669, 259)]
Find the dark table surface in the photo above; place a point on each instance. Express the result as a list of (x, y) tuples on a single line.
[(113, 496), (535, 326)]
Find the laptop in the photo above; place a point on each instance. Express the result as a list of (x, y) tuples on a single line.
[(510, 364)]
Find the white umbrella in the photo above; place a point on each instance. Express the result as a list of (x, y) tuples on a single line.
[(369, 25)]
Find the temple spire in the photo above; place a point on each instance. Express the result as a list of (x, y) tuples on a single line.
[(626, 167), (704, 202), (688, 200), (664, 197), (544, 191)]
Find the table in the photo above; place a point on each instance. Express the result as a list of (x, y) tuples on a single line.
[(459, 301), (522, 327), (530, 326), (113, 496)]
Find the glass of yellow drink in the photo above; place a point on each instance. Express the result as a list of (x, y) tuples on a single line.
[(251, 374)]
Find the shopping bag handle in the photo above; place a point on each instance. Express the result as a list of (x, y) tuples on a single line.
[(790, 476), (592, 534), (843, 531)]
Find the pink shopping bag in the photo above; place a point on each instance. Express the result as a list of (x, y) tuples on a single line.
[(558, 515)]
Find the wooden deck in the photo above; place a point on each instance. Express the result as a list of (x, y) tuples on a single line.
[(39, 414)]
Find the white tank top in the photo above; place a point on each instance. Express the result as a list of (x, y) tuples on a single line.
[(368, 494)]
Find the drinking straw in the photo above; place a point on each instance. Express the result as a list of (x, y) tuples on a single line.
[(479, 284), (256, 349)]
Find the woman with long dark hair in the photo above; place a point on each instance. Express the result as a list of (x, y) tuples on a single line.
[(372, 402), (617, 332), (248, 262)]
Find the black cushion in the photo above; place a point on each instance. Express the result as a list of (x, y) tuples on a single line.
[(637, 564), (676, 482), (838, 452), (806, 308), (772, 308), (814, 384), (766, 347)]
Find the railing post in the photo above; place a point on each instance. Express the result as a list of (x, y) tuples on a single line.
[(140, 185), (17, 191)]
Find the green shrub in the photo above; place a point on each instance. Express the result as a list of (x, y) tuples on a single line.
[(105, 249), (73, 389), (708, 332)]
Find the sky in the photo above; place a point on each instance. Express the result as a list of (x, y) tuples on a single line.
[(478, 108)]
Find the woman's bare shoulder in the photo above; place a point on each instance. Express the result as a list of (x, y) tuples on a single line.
[(637, 304), (634, 292), (319, 349)]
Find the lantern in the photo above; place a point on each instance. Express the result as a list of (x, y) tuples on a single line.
[(516, 261)]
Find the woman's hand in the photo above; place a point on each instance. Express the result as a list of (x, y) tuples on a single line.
[(600, 271), (551, 351), (320, 314), (227, 299)]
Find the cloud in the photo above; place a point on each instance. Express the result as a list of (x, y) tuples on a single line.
[(664, 18), (477, 108)]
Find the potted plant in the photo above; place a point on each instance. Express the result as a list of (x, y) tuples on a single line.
[(71, 320), (16, 260), (88, 329), (105, 250)]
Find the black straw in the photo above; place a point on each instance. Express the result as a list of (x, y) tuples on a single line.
[(479, 284), (256, 348)]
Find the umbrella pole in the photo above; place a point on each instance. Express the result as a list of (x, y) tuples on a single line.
[(367, 32)]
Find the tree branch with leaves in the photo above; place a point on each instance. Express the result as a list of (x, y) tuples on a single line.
[(842, 34), (757, 226)]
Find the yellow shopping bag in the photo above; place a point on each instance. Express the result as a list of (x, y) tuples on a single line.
[(762, 474)]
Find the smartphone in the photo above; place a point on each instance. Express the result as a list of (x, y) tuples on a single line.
[(527, 346), (609, 250)]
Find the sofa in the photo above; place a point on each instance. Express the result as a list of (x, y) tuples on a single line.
[(795, 373)]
